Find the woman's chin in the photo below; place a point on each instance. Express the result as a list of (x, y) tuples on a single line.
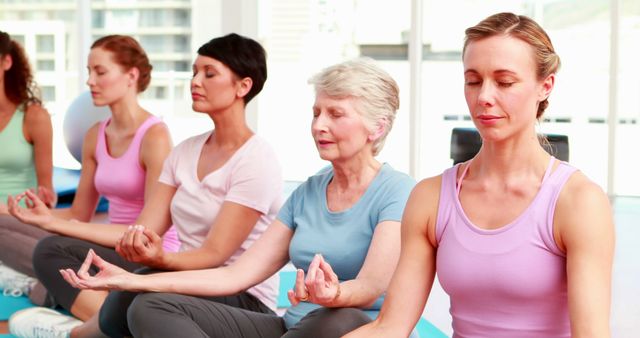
[(326, 157), (99, 103)]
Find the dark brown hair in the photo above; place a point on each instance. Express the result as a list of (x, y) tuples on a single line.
[(525, 29), (128, 53), (19, 85)]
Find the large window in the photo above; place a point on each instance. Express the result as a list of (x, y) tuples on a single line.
[(628, 101), (53, 40), (301, 39), (305, 36), (579, 104)]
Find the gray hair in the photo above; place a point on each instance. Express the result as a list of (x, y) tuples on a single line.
[(377, 93)]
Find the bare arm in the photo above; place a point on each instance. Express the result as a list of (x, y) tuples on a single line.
[(86, 197), (413, 278), (584, 228), (154, 149), (156, 146), (264, 258), (39, 214), (155, 215), (38, 131), (231, 228), (71, 222), (321, 285), (373, 279)]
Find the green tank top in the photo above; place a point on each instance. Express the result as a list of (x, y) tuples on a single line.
[(17, 167)]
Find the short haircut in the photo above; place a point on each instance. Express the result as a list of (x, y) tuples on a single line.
[(244, 56), (376, 92)]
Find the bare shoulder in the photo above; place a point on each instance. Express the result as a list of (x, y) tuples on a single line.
[(37, 124), (91, 136), (428, 186), (583, 212), (157, 134), (426, 193), (422, 208), (581, 194), (36, 113), (156, 145)]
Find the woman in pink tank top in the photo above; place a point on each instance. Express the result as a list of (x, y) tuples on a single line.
[(522, 243), (122, 158)]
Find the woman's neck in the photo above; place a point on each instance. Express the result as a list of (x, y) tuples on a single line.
[(127, 115), (231, 129), (356, 173), (500, 160), (6, 106)]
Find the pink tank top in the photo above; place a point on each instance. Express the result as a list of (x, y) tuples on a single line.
[(121, 180), (506, 282)]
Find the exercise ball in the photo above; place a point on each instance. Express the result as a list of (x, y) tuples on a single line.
[(80, 116)]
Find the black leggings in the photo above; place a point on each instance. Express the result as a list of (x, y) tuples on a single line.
[(59, 252), (116, 314), (173, 315)]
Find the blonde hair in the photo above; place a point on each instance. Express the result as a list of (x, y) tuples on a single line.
[(376, 92), (525, 29)]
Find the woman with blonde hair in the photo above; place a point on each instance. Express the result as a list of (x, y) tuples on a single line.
[(522, 243)]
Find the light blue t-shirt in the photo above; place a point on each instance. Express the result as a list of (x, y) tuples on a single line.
[(343, 238)]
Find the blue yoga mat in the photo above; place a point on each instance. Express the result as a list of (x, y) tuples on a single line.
[(9, 305), (287, 280)]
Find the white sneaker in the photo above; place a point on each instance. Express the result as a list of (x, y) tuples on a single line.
[(14, 283), (41, 322)]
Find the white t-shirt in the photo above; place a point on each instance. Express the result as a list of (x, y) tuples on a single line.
[(251, 177)]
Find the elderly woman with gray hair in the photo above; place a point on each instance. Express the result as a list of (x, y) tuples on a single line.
[(340, 229)]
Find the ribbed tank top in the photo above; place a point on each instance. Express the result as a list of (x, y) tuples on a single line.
[(121, 180), (17, 165), (505, 282)]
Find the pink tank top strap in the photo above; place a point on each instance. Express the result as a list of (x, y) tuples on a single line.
[(554, 186), (552, 160), (464, 173), (133, 150), (142, 130), (101, 146), (446, 201)]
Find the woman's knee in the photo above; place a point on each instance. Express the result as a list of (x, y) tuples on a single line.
[(142, 313), (143, 305), (112, 317), (46, 249), (47, 245)]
